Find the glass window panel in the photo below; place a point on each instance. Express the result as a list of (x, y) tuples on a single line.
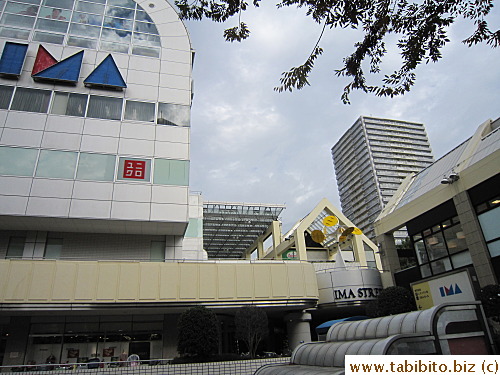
[(171, 172), (146, 51), (56, 13), (82, 42), (435, 246), (118, 36), (489, 224), (48, 38), (425, 270), (133, 169), (17, 20), (53, 248), (123, 3), (36, 2), (69, 104), (8, 32), (141, 15), (104, 107), (139, 111), (15, 248), (120, 12), (5, 96), (420, 251), (494, 248), (117, 23), (114, 47), (157, 251), (440, 266), (51, 25), (144, 27), (147, 39), (84, 30), (461, 259), (24, 9), (455, 239), (66, 4), (88, 19), (31, 100), (97, 167), (17, 161), (173, 114), (89, 7), (56, 164)]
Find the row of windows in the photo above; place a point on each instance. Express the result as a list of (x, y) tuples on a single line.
[(54, 249), (441, 248), (30, 162), (94, 106), (489, 217), (118, 25)]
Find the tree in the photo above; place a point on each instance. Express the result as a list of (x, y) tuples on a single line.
[(251, 327), (421, 27), (198, 332), (391, 301)]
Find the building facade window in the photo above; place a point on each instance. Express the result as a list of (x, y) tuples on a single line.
[(53, 248), (17, 161), (56, 164), (441, 248), (69, 104), (31, 100), (15, 248), (489, 217)]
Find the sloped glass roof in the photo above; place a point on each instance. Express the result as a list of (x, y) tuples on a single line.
[(230, 228)]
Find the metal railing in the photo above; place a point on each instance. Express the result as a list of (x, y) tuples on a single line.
[(148, 367)]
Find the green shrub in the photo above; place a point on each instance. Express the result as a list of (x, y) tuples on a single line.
[(391, 301), (198, 333)]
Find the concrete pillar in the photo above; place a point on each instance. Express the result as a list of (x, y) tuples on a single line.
[(389, 257), (474, 238), (17, 341), (298, 328), (170, 333)]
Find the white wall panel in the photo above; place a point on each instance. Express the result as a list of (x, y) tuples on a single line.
[(15, 186), (93, 190), (107, 128), (143, 78), (48, 207), (176, 68), (177, 134), (54, 188), (168, 95), (132, 192), (90, 209), (20, 137), (64, 124), (170, 194), (143, 92), (175, 81), (175, 42), (144, 64), (175, 28), (172, 150), (169, 212), (62, 141), (3, 117), (13, 205), (136, 147), (176, 55), (130, 211), (106, 145), (137, 130), (25, 120)]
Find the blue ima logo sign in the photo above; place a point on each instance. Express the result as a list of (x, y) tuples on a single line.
[(47, 69), (451, 291)]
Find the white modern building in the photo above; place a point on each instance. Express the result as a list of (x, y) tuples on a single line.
[(371, 159), (101, 244)]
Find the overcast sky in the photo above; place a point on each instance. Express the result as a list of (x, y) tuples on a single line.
[(251, 144)]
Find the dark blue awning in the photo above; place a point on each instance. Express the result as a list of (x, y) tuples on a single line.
[(324, 327)]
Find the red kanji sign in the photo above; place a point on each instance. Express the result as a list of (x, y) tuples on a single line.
[(134, 169)]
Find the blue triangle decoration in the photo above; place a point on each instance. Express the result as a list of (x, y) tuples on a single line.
[(106, 76), (65, 71), (457, 289), (12, 60)]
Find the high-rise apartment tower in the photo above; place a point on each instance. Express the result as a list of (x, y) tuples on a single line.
[(371, 159)]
